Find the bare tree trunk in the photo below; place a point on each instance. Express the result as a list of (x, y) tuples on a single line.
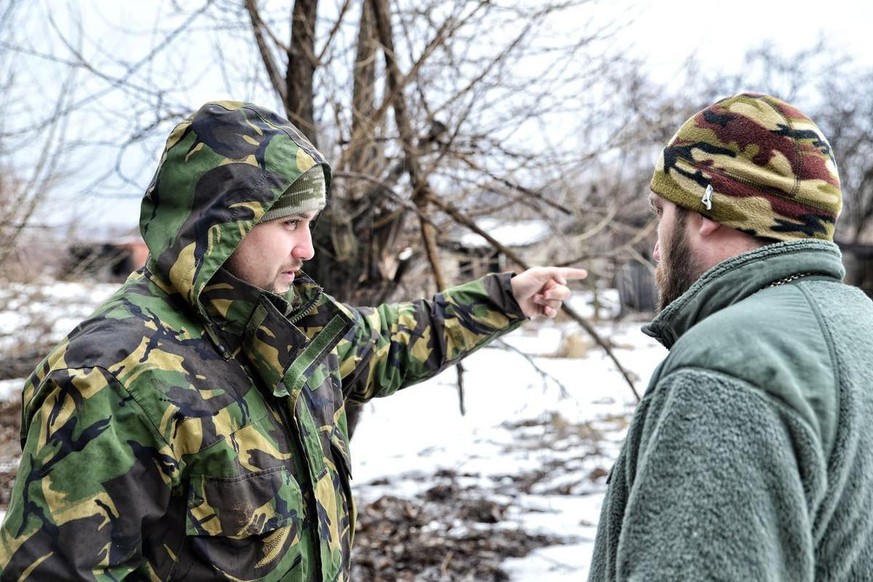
[(420, 188), (261, 34), (364, 94), (421, 191), (301, 68), (364, 161)]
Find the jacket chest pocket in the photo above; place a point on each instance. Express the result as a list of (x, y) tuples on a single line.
[(244, 527)]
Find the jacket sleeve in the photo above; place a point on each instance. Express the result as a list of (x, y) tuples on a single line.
[(90, 475), (393, 346), (722, 487)]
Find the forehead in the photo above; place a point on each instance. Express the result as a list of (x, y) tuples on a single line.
[(658, 201), (308, 215)]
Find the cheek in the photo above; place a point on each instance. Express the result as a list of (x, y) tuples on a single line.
[(661, 242), (270, 245)]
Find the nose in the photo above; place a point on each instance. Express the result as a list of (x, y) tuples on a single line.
[(656, 253), (304, 249)]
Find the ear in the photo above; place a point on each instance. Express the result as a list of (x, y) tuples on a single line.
[(708, 227)]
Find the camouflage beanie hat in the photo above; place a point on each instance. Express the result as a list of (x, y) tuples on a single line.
[(753, 163), (308, 193)]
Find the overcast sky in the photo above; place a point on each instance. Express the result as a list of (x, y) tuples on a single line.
[(667, 32), (664, 33)]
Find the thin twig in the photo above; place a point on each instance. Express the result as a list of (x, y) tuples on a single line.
[(461, 219), (565, 393)]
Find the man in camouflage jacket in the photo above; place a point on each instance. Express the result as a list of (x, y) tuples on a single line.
[(194, 427)]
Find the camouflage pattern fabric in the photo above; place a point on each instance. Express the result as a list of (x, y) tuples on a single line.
[(307, 194), (194, 427), (754, 163)]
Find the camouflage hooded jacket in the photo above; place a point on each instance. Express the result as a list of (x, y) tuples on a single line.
[(194, 427)]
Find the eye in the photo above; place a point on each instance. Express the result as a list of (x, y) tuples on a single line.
[(292, 223)]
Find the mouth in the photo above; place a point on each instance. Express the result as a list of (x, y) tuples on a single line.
[(291, 273)]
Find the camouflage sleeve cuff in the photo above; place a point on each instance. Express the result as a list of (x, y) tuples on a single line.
[(509, 305)]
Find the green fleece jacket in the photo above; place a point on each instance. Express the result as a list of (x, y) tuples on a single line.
[(751, 455)]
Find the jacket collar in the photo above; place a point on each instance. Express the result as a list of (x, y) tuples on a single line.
[(269, 332), (737, 278), (231, 303)]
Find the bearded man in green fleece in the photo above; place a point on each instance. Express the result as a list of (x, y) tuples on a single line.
[(751, 455), (194, 427)]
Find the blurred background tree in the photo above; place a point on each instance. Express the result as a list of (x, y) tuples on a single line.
[(435, 114)]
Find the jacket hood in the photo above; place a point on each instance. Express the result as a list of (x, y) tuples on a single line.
[(220, 171)]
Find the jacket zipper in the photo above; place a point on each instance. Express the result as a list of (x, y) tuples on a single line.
[(310, 504), (307, 308)]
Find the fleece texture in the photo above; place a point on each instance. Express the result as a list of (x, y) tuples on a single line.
[(750, 456)]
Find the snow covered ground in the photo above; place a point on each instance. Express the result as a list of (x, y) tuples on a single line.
[(561, 419), (543, 446)]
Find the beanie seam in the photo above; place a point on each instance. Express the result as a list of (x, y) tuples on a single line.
[(766, 189)]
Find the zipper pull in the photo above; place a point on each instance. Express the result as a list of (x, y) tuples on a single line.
[(219, 346)]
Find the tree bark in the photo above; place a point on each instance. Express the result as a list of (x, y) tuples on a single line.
[(302, 62), (421, 191)]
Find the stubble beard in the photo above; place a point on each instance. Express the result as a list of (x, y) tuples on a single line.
[(679, 269), (282, 288)]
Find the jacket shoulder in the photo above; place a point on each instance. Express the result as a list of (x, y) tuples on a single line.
[(775, 341)]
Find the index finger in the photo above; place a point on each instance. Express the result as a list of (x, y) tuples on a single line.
[(570, 273)]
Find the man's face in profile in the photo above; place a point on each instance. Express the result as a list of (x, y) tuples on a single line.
[(677, 265), (272, 254)]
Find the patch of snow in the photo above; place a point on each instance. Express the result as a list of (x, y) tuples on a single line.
[(510, 234), (10, 388), (569, 414)]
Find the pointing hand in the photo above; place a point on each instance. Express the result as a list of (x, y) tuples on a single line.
[(540, 291)]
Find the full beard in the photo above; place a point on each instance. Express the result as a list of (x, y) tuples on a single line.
[(678, 270)]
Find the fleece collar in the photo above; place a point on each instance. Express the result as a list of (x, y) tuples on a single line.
[(737, 278)]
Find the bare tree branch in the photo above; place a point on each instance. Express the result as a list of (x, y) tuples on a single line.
[(420, 187), (261, 32), (461, 219)]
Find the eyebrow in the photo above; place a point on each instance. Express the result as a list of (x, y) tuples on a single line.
[(311, 215)]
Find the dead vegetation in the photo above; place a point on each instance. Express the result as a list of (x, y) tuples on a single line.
[(451, 533), (9, 447), (455, 531)]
